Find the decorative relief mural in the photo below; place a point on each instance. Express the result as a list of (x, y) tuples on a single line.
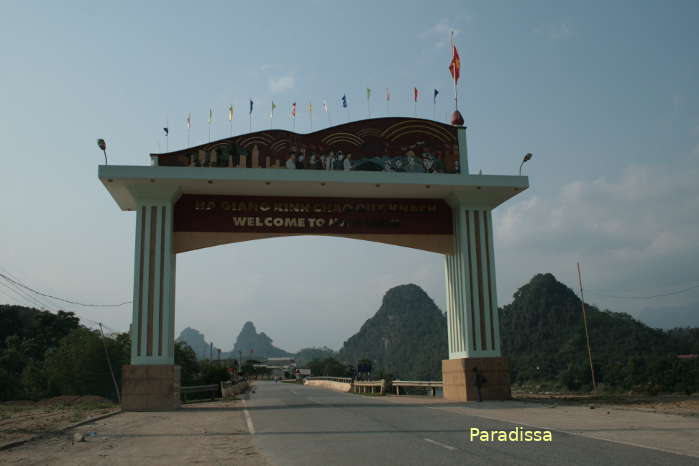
[(382, 144)]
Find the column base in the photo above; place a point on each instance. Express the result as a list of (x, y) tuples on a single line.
[(459, 379), (150, 388)]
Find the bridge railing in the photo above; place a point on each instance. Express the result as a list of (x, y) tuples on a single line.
[(364, 386), (332, 379), (433, 385)]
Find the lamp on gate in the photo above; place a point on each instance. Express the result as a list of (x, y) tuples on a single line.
[(526, 159), (103, 145)]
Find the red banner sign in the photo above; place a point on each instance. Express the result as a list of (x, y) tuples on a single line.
[(311, 215)]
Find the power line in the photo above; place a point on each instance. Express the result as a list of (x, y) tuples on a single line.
[(25, 297), (60, 299), (645, 297)]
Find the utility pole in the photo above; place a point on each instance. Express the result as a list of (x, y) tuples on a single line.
[(587, 333), (211, 351), (109, 363)]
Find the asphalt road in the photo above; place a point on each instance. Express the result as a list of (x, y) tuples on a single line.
[(301, 425)]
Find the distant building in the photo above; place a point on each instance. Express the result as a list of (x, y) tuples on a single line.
[(278, 366)]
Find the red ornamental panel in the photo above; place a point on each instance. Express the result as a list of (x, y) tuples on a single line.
[(312, 215), (409, 145)]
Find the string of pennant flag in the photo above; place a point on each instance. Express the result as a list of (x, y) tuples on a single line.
[(454, 71)]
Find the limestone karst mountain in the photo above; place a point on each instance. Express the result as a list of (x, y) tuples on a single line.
[(407, 337)]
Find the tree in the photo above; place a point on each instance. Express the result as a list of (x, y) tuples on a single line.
[(187, 360), (329, 367), (78, 366)]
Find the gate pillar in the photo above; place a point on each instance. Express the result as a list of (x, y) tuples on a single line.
[(152, 381), (475, 368)]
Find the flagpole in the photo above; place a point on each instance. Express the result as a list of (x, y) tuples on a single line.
[(310, 112), (368, 102)]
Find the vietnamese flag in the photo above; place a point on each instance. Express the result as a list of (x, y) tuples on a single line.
[(415, 94), (455, 65)]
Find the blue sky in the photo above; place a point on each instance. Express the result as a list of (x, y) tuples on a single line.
[(602, 93)]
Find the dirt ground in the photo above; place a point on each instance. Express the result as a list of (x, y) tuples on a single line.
[(664, 404), (24, 419), (202, 433)]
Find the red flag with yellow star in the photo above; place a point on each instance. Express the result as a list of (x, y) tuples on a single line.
[(455, 65)]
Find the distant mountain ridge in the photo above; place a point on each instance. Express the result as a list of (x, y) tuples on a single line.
[(196, 341), (256, 345), (249, 344)]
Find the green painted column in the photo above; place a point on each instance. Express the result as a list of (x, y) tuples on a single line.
[(153, 322), (472, 311)]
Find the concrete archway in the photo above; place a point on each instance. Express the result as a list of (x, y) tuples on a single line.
[(182, 207)]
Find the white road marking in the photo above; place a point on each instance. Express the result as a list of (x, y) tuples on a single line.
[(248, 419), (294, 392), (439, 444)]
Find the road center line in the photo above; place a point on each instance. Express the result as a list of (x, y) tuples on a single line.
[(248, 419), (440, 444)]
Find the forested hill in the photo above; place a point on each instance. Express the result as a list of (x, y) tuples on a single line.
[(407, 337), (544, 338)]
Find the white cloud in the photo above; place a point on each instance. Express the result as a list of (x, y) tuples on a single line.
[(636, 232), (555, 30), (440, 33), (281, 83)]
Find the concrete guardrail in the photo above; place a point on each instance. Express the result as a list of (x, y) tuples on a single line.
[(341, 384)]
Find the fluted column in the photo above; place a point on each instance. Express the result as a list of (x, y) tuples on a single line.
[(472, 311), (153, 323)]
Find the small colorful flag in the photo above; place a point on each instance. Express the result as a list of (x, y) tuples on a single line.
[(273, 106), (250, 106), (189, 121), (310, 108), (167, 131), (455, 64), (293, 110), (211, 116), (368, 93), (388, 94), (230, 113), (344, 100), (415, 94), (325, 106), (434, 99)]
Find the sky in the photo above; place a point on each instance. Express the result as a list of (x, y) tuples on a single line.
[(604, 94)]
